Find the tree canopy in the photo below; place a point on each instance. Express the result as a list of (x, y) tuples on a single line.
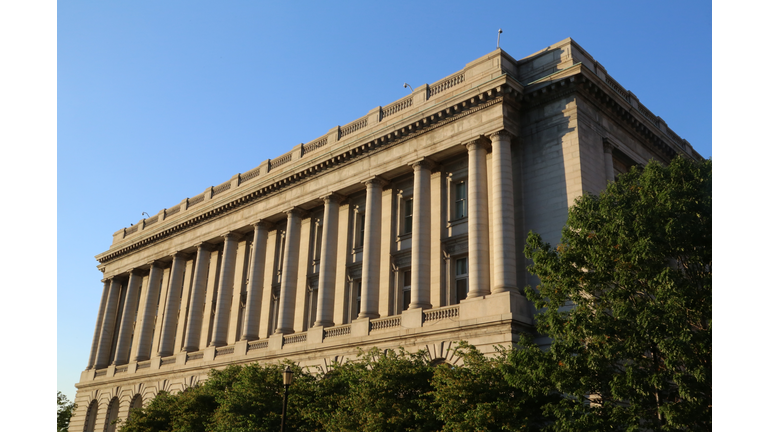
[(626, 299), (64, 411)]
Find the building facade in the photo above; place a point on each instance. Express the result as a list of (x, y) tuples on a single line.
[(404, 228)]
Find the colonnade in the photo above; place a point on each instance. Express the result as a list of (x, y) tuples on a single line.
[(189, 318)]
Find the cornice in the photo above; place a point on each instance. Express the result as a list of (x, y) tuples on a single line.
[(583, 81), (385, 138)]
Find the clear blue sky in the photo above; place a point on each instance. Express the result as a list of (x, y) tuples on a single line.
[(159, 100)]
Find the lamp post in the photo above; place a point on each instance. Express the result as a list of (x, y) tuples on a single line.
[(287, 380)]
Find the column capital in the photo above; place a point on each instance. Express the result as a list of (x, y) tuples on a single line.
[(375, 180), (479, 142), (231, 235), (501, 134), (180, 254), (203, 245), (332, 197), (608, 145), (263, 224), (295, 211), (423, 163)]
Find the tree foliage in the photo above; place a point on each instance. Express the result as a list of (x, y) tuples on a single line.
[(64, 411), (627, 300)]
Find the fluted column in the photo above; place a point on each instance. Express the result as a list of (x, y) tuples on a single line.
[(420, 246), (172, 305), (107, 325), (608, 160), (224, 299), (369, 298), (255, 286), (99, 319), (503, 217), (477, 184), (147, 314), (129, 317), (287, 306), (328, 249), (197, 298)]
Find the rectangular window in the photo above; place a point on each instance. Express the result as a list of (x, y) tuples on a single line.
[(359, 294), (406, 289), (408, 212), (462, 276), (360, 229), (460, 205)]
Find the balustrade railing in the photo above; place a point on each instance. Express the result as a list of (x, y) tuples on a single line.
[(295, 338), (227, 350), (385, 323), (197, 355), (258, 345), (441, 313), (341, 330)]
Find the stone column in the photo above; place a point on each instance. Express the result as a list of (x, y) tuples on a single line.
[(99, 319), (477, 185), (328, 249), (147, 314), (608, 160), (503, 217), (197, 298), (224, 299), (129, 316), (286, 309), (420, 246), (107, 329), (369, 299), (255, 285), (172, 305)]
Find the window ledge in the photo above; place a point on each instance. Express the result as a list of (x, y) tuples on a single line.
[(457, 222), (404, 236)]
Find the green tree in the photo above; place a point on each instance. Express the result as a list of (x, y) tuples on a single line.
[(380, 391), (63, 412), (250, 398), (626, 299), (505, 391)]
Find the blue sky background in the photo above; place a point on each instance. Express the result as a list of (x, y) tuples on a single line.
[(159, 100)]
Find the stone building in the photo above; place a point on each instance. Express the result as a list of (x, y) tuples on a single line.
[(403, 228)]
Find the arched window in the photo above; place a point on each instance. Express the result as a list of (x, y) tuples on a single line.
[(112, 409), (90, 416), (136, 403)]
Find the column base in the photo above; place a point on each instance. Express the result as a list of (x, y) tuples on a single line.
[(504, 305), (370, 315), (419, 306), (323, 324), (477, 294), (285, 331)]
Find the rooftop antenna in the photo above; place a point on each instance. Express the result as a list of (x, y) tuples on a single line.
[(497, 39), (144, 213), (406, 85)]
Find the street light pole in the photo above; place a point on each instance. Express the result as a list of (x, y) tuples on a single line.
[(287, 380)]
